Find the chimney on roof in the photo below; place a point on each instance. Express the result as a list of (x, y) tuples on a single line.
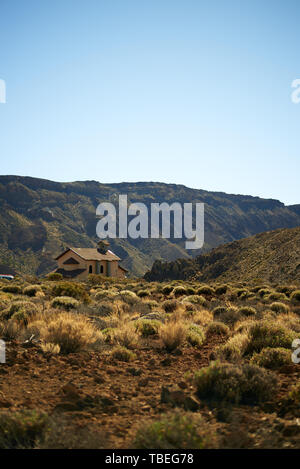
[(102, 246)]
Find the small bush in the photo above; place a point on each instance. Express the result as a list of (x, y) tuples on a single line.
[(65, 302), (229, 317), (170, 306), (195, 335), (122, 354), (12, 289), (217, 328), (184, 430), (128, 297), (74, 290), (294, 394), (279, 307), (51, 349), (234, 348), (126, 335), (21, 430), (295, 296), (32, 290), (179, 291), (143, 293), (9, 330), (148, 327), (221, 289), (247, 311), (167, 289), (272, 358), (205, 290), (54, 277), (71, 332), (239, 384), (194, 299), (172, 335), (276, 296), (269, 334)]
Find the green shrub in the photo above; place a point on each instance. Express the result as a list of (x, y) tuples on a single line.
[(122, 354), (276, 296), (195, 299), (54, 277), (239, 384), (229, 317), (294, 394), (65, 302), (195, 335), (12, 289), (179, 291), (205, 290), (247, 311), (269, 334), (272, 358), (27, 307), (184, 430), (264, 292), (219, 310), (148, 327), (221, 289), (74, 290), (295, 296), (128, 297), (20, 430), (32, 290), (217, 328), (279, 307), (167, 289), (170, 306), (143, 293)]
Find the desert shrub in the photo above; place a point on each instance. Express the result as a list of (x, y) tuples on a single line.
[(167, 289), (230, 317), (104, 309), (126, 335), (195, 335), (279, 307), (179, 291), (74, 290), (286, 289), (32, 290), (219, 310), (184, 430), (71, 332), (221, 289), (151, 304), (276, 296), (170, 305), (54, 277), (205, 290), (148, 327), (95, 279), (122, 354), (269, 334), (172, 335), (295, 296), (190, 290), (12, 289), (194, 299), (20, 430), (27, 307), (264, 292), (128, 297), (202, 317), (294, 394), (242, 292), (217, 328), (247, 311), (272, 358), (105, 295), (143, 293), (234, 348), (190, 308), (49, 348), (65, 302), (21, 317), (239, 384), (9, 330)]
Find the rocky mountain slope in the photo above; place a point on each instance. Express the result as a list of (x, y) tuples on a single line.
[(271, 256), (39, 218)]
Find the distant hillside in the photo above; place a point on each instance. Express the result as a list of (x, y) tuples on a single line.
[(272, 256), (39, 218)]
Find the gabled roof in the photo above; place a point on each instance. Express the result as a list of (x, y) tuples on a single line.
[(91, 254)]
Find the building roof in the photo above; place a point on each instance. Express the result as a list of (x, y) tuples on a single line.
[(91, 254), (70, 273)]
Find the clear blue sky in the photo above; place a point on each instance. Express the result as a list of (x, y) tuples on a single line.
[(189, 92)]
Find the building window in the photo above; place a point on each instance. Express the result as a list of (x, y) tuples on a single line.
[(101, 269), (90, 269)]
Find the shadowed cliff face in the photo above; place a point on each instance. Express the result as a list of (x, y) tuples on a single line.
[(39, 218), (271, 256)]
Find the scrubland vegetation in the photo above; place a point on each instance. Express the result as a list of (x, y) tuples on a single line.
[(112, 363)]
